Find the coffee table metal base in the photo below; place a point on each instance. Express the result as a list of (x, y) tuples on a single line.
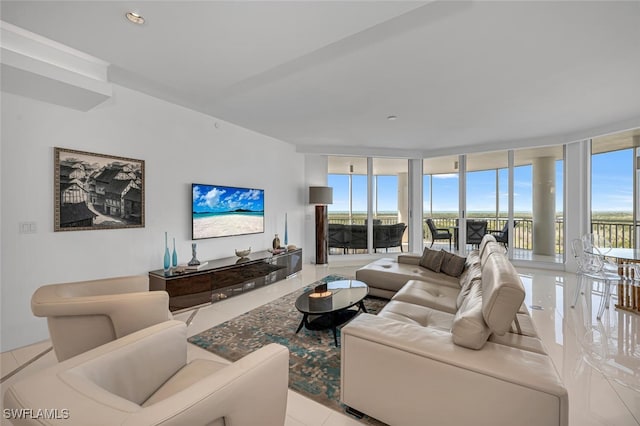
[(330, 320)]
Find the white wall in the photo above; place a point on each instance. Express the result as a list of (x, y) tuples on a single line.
[(179, 147)]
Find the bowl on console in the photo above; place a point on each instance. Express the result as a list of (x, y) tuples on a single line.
[(243, 253)]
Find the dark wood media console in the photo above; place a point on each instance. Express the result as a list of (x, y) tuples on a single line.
[(223, 278)]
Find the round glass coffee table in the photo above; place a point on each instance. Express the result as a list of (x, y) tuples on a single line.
[(333, 311)]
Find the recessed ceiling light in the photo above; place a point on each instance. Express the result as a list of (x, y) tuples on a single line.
[(392, 117), (135, 18)]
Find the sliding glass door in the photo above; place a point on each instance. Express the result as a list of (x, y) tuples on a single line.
[(537, 230), (350, 229), (539, 204), (348, 178), (615, 175), (486, 197), (371, 194), (440, 183)]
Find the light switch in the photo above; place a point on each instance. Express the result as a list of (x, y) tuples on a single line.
[(27, 228)]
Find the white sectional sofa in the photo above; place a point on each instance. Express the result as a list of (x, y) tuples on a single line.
[(386, 276), (450, 350)]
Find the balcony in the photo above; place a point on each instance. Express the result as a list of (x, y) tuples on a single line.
[(619, 233)]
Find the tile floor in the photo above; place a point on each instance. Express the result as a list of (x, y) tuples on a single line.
[(599, 361)]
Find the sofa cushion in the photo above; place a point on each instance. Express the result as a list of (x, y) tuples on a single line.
[(490, 249), (416, 314), (471, 274), (184, 378), (132, 380), (409, 259), (432, 259), (473, 258), (488, 238), (390, 275), (430, 295), (452, 264), (526, 343), (469, 328), (502, 293)]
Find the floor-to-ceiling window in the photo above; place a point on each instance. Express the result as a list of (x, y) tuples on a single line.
[(522, 206), (440, 200), (538, 226), (391, 204), (486, 195), (349, 227), (614, 167), (539, 204), (537, 232), (348, 178)]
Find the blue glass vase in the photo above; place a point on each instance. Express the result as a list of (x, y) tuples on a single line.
[(286, 231), (174, 257), (167, 258)]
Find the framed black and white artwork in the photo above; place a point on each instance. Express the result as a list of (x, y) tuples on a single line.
[(97, 191)]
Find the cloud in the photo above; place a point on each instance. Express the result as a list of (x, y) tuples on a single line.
[(211, 198), (446, 176), (196, 192), (252, 194)]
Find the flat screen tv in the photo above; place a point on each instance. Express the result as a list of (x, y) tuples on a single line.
[(222, 211)]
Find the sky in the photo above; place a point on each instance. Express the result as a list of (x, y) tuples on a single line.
[(207, 198), (612, 181), (612, 188)]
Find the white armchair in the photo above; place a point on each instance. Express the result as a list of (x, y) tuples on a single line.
[(86, 314), (144, 379)]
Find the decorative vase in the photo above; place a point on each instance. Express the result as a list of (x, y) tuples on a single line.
[(167, 258), (286, 233), (276, 242), (194, 260), (174, 257)]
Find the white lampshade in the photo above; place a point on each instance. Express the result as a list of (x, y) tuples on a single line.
[(320, 195)]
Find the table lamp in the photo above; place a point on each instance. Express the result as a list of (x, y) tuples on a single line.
[(321, 196)]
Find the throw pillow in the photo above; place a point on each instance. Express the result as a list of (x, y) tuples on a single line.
[(431, 259), (452, 265)]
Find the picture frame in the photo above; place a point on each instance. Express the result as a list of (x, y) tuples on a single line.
[(97, 191)]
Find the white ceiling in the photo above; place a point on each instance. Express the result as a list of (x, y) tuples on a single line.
[(324, 75)]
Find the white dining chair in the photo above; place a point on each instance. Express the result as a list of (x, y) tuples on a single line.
[(594, 266)]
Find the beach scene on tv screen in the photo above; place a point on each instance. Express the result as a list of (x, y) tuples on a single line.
[(220, 211)]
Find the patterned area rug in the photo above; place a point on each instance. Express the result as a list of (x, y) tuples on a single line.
[(314, 360)]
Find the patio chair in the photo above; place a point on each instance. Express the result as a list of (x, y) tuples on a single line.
[(502, 236), (476, 230), (358, 238), (385, 236), (339, 236), (438, 233)]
